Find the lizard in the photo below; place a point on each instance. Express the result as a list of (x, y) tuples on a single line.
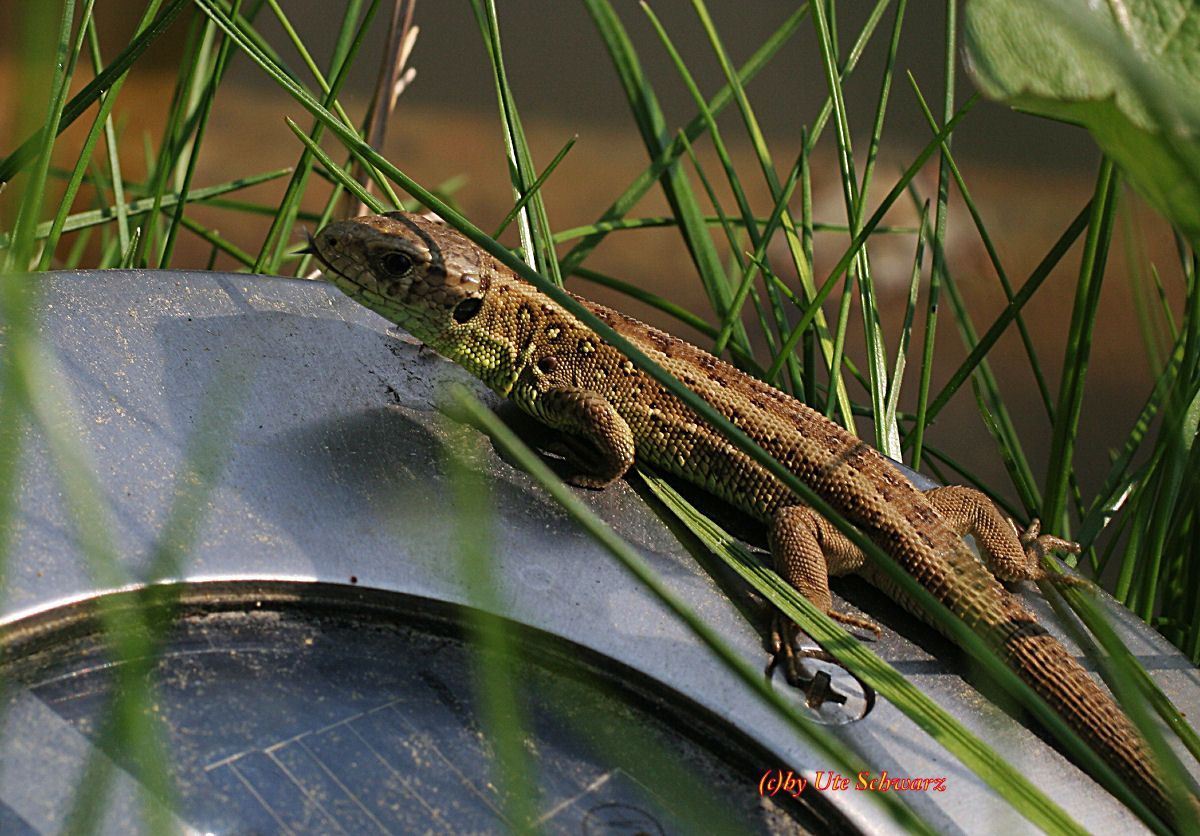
[(469, 307)]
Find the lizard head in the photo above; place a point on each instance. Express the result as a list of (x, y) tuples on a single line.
[(418, 273)]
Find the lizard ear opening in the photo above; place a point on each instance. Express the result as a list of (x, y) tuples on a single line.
[(465, 310)]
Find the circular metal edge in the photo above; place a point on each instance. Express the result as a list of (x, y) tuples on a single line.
[(24, 639)]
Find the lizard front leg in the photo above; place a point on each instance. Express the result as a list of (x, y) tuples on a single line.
[(597, 442), (1011, 555)]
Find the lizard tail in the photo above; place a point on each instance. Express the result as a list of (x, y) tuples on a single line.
[(1046, 666)]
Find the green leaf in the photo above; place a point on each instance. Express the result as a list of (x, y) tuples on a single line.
[(1125, 72)]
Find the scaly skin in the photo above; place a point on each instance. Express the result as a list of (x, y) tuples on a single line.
[(464, 304)]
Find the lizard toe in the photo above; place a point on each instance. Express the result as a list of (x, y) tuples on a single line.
[(860, 621)]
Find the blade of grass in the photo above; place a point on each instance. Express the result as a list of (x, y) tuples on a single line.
[(885, 87), (502, 718), (507, 441), (1006, 780), (1035, 280), (885, 422), (175, 138), (800, 263), (126, 261), (19, 257), (207, 94), (910, 311), (807, 227), (638, 188), (533, 224), (341, 175), (130, 716), (257, 50), (96, 217), (651, 124), (860, 239), (535, 188), (656, 221), (886, 438), (89, 143), (993, 256), (219, 244), (1079, 339), (984, 385), (1177, 441), (78, 247), (733, 315), (345, 49), (82, 100), (1134, 687), (107, 102), (738, 261), (146, 616), (649, 176)]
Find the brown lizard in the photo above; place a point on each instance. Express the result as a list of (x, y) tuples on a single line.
[(467, 306)]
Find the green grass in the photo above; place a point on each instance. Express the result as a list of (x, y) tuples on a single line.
[(1138, 526)]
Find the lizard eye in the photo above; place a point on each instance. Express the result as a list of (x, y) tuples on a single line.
[(467, 308), (396, 264)]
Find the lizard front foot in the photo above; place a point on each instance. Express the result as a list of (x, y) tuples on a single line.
[(580, 471)]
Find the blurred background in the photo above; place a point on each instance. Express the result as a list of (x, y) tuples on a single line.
[(1029, 176)]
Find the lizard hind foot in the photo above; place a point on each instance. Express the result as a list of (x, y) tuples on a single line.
[(1037, 546), (783, 645), (818, 687), (583, 480), (785, 634)]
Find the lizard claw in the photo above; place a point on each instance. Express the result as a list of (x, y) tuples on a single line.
[(859, 621), (818, 688), (783, 644), (1037, 546)]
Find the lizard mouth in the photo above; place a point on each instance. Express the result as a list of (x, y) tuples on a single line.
[(349, 282), (311, 248), (327, 266)]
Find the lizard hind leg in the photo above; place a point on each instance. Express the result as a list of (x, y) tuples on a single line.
[(807, 550), (1010, 554)]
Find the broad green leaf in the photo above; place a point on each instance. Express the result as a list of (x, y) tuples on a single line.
[(1128, 72)]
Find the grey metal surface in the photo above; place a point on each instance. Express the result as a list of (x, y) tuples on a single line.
[(332, 474)]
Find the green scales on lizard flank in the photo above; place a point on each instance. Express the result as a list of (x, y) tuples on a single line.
[(464, 304)]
